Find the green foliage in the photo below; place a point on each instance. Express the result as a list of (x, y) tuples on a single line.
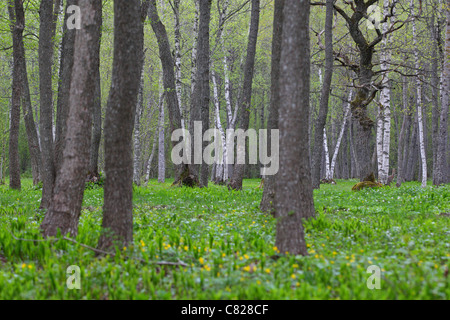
[(228, 246)]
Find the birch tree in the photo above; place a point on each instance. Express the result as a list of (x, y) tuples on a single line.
[(419, 98)]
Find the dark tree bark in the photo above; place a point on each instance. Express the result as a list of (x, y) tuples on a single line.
[(17, 26), (201, 93), (128, 48), (46, 33), (324, 96), (434, 90), (244, 110), (442, 165), (168, 64), (65, 77), (96, 128), (33, 140), (65, 208), (268, 198), (294, 192)]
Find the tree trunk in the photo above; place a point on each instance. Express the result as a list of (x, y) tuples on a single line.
[(65, 78), (46, 32), (268, 198), (200, 95), (17, 30), (128, 45), (294, 192), (176, 9), (419, 103), (169, 79), (137, 132), (443, 166), (30, 125), (96, 128), (341, 134), (161, 149), (404, 134), (324, 97), (239, 169), (65, 208)]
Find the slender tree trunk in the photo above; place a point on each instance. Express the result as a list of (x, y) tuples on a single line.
[(404, 134), (221, 171), (294, 192), (324, 96), (17, 12), (65, 208), (169, 78), (443, 164), (155, 138), (194, 47), (161, 149), (96, 128), (341, 134), (176, 9), (137, 133), (419, 103), (385, 99), (17, 30), (128, 45), (268, 198), (239, 169)]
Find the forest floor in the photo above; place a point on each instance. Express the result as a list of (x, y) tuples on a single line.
[(226, 246)]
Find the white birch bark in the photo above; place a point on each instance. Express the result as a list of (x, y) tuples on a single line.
[(161, 149), (341, 134), (327, 155), (194, 47), (221, 167), (176, 9), (385, 97), (419, 100), (380, 136), (137, 136)]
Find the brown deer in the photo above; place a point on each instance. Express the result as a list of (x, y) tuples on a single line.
[(390, 178)]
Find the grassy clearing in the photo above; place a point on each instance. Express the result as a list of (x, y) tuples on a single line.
[(228, 246)]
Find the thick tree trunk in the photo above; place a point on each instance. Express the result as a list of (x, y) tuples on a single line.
[(128, 47), (65, 208), (324, 97), (46, 32), (201, 93), (443, 165), (294, 192), (65, 78), (239, 169), (268, 198)]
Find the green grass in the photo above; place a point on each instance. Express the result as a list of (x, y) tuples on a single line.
[(228, 245)]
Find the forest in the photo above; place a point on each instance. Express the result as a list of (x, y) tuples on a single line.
[(224, 150)]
